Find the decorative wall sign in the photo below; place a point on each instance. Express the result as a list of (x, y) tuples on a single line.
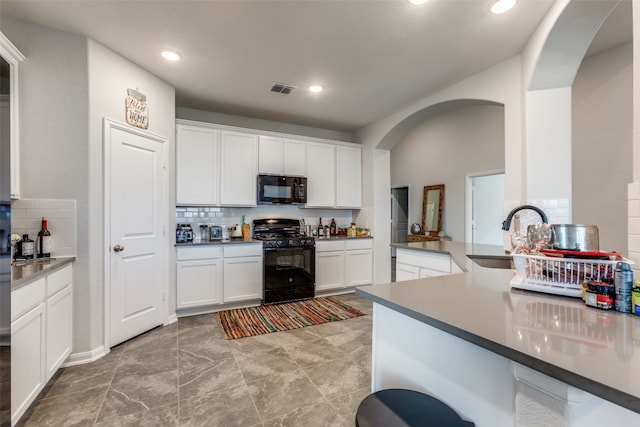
[(136, 109)]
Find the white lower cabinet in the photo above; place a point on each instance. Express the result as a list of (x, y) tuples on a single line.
[(209, 275), (28, 345), (199, 276), (242, 272), (412, 265), (343, 263), (41, 335), (329, 269)]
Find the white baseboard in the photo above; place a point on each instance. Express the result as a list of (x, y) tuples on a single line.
[(173, 318), (85, 357)]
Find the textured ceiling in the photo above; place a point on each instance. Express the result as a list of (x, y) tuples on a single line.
[(373, 57)]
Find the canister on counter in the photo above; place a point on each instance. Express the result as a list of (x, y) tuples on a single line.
[(623, 280)]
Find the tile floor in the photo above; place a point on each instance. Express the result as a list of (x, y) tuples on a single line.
[(187, 374)]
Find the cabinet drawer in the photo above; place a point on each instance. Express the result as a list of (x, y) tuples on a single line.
[(199, 252), (59, 279), (429, 260), (27, 297), (359, 244), (240, 250), (324, 246)]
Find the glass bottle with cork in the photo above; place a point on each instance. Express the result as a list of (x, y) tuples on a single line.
[(44, 240)]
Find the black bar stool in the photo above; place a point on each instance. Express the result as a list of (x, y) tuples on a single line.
[(406, 408)]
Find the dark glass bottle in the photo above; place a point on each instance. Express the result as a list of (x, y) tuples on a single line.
[(44, 240), (28, 247)]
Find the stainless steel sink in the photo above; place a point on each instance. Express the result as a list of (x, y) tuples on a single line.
[(505, 263)]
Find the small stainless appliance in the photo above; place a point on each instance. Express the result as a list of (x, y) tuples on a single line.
[(289, 260), (215, 232), (278, 189)]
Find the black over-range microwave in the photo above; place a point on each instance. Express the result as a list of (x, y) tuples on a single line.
[(282, 189)]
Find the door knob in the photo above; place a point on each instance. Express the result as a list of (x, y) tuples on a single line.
[(118, 248)]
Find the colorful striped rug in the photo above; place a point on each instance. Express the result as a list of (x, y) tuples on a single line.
[(264, 319)]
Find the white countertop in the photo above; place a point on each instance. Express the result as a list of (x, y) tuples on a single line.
[(591, 349)]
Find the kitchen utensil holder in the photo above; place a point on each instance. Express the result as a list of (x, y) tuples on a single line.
[(560, 276)]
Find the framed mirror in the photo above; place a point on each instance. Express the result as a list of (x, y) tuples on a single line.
[(432, 201)]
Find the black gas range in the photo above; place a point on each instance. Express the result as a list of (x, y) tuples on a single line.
[(289, 260)]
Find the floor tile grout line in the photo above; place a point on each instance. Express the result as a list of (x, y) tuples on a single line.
[(108, 388)]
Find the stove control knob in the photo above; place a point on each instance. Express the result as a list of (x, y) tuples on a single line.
[(292, 242)]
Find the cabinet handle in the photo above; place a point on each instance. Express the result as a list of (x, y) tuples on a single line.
[(118, 248)]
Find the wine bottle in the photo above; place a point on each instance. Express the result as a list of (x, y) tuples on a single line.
[(320, 228), (44, 240), (27, 247), (333, 227)]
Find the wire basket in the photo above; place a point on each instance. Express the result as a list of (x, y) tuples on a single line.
[(560, 276)]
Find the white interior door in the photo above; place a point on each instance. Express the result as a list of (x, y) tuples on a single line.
[(487, 202), (136, 193)]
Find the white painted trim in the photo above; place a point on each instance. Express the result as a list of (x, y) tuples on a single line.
[(86, 356), (172, 318), (109, 124), (12, 55)]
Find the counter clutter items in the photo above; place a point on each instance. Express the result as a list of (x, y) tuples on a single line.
[(537, 350)]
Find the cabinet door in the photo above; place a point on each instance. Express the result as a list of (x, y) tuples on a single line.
[(27, 359), (359, 269), (199, 283), (348, 177), (270, 155), (238, 168), (329, 270), (59, 329), (242, 279), (295, 157), (321, 175), (406, 272), (197, 171)]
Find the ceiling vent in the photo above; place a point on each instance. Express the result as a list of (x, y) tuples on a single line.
[(282, 88)]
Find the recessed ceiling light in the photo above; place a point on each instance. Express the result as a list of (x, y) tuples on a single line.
[(315, 88), (418, 2), (170, 55), (502, 6)]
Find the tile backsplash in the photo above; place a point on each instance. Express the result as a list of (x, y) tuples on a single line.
[(227, 217), (26, 216)]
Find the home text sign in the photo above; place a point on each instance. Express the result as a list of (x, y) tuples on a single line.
[(136, 109)]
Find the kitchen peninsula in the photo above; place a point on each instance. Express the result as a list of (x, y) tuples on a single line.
[(503, 357)]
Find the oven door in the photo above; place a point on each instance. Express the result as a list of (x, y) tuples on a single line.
[(289, 274)]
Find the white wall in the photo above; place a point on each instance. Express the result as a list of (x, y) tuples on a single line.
[(602, 144), (444, 150), (110, 75), (54, 114), (67, 85)]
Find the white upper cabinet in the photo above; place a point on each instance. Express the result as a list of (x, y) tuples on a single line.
[(348, 177), (218, 165), (197, 170), (270, 155), (9, 109), (238, 168), (295, 157), (282, 156), (321, 175)]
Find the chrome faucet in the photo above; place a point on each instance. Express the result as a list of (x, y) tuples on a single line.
[(506, 224)]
